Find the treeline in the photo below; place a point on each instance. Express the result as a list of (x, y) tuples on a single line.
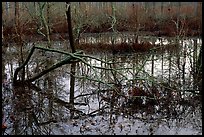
[(160, 18)]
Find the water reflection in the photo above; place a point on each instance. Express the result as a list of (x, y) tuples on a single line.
[(102, 102)]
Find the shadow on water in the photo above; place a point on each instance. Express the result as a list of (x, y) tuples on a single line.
[(140, 93)]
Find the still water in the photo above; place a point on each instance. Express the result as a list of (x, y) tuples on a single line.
[(97, 109)]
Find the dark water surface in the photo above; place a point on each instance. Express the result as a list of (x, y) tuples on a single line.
[(173, 109)]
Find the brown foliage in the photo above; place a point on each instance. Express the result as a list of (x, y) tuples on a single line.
[(127, 21), (116, 48), (136, 91)]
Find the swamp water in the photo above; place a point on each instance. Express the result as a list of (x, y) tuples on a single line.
[(97, 109)]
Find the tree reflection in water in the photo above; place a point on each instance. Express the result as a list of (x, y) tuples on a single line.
[(106, 102)]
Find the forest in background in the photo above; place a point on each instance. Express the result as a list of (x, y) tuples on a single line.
[(153, 18)]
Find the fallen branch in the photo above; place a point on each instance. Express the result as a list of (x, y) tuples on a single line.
[(68, 60)]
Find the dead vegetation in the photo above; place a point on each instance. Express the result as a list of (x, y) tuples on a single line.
[(98, 20)]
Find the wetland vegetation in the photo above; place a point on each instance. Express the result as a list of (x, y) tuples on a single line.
[(105, 68)]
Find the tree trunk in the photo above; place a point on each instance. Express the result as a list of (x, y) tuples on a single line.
[(162, 7), (69, 21), (73, 65)]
